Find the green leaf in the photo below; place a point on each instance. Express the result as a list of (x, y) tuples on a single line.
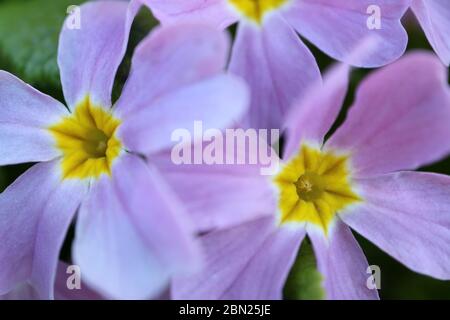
[(29, 32), (304, 281)]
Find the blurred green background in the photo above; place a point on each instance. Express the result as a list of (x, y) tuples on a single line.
[(29, 32)]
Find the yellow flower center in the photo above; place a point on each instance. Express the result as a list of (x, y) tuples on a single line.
[(87, 140), (255, 10), (314, 186)]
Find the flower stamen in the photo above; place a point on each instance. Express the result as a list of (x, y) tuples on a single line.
[(314, 186), (87, 141), (309, 186)]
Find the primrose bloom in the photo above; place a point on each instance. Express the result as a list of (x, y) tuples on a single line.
[(132, 234), (400, 120), (434, 17), (271, 57)]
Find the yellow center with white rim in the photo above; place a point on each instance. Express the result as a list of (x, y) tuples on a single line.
[(255, 10), (87, 139), (314, 186)]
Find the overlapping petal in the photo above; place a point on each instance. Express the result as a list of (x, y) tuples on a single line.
[(208, 191), (314, 114), (131, 234), (63, 292), (407, 214), (400, 118), (250, 261), (218, 102), (214, 12), (26, 291), (35, 213), (277, 66), (89, 57), (266, 273), (434, 17), (169, 59)]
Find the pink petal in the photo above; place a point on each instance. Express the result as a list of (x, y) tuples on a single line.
[(277, 66), (338, 26), (342, 263), (400, 118), (407, 215), (89, 57), (265, 275), (169, 59), (62, 292), (313, 115), (25, 113), (23, 291), (35, 213), (434, 17), (214, 12), (218, 102), (218, 196), (132, 235), (251, 261)]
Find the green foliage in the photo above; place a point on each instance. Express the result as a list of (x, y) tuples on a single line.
[(29, 33), (304, 281)]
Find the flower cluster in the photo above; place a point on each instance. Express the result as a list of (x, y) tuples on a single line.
[(144, 224)]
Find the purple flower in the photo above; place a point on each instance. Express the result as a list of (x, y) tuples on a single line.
[(434, 17), (132, 234), (270, 56), (400, 120)]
